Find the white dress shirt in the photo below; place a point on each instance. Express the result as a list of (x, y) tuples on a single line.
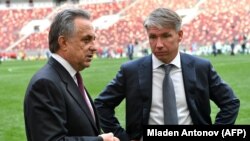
[(156, 112), (66, 65)]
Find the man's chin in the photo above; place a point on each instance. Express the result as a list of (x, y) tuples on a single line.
[(161, 57), (86, 65)]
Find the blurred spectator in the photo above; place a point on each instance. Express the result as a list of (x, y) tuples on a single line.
[(214, 49), (130, 50), (233, 44), (243, 45)]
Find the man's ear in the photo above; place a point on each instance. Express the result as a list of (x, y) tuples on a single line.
[(180, 33), (62, 41)]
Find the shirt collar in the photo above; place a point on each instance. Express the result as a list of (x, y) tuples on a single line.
[(65, 64), (157, 63)]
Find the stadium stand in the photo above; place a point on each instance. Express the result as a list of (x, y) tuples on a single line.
[(24, 26)]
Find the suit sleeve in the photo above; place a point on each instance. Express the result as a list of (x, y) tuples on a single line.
[(45, 115), (224, 97), (106, 103)]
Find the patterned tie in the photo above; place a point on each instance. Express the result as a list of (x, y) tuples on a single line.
[(81, 88), (169, 101)]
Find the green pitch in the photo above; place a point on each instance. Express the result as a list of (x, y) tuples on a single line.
[(15, 75)]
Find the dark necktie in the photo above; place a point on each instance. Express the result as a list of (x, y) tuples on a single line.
[(169, 101), (81, 88)]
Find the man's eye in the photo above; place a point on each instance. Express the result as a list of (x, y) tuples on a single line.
[(88, 39), (152, 37), (166, 35)]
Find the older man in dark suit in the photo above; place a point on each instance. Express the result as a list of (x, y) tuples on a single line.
[(57, 106)]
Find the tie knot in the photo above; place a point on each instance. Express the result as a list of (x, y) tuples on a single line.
[(167, 68)]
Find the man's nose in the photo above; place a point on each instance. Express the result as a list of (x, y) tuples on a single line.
[(93, 45), (159, 42)]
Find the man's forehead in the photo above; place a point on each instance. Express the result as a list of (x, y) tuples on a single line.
[(159, 30)]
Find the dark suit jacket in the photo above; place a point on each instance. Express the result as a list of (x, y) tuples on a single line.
[(134, 82), (55, 110)]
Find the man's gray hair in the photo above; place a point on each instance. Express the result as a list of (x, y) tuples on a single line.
[(163, 18), (63, 25)]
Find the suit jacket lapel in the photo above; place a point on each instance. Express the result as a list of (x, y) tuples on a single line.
[(145, 84), (189, 74), (93, 106), (72, 89), (189, 78)]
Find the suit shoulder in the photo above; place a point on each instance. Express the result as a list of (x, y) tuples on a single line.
[(195, 59), (45, 73), (136, 62)]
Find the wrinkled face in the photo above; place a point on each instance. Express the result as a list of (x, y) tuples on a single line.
[(80, 48), (164, 42)]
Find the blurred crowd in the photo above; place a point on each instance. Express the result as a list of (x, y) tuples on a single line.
[(223, 24)]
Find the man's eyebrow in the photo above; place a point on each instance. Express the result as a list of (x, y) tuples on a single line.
[(89, 36)]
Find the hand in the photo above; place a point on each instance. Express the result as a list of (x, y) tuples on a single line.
[(109, 137)]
